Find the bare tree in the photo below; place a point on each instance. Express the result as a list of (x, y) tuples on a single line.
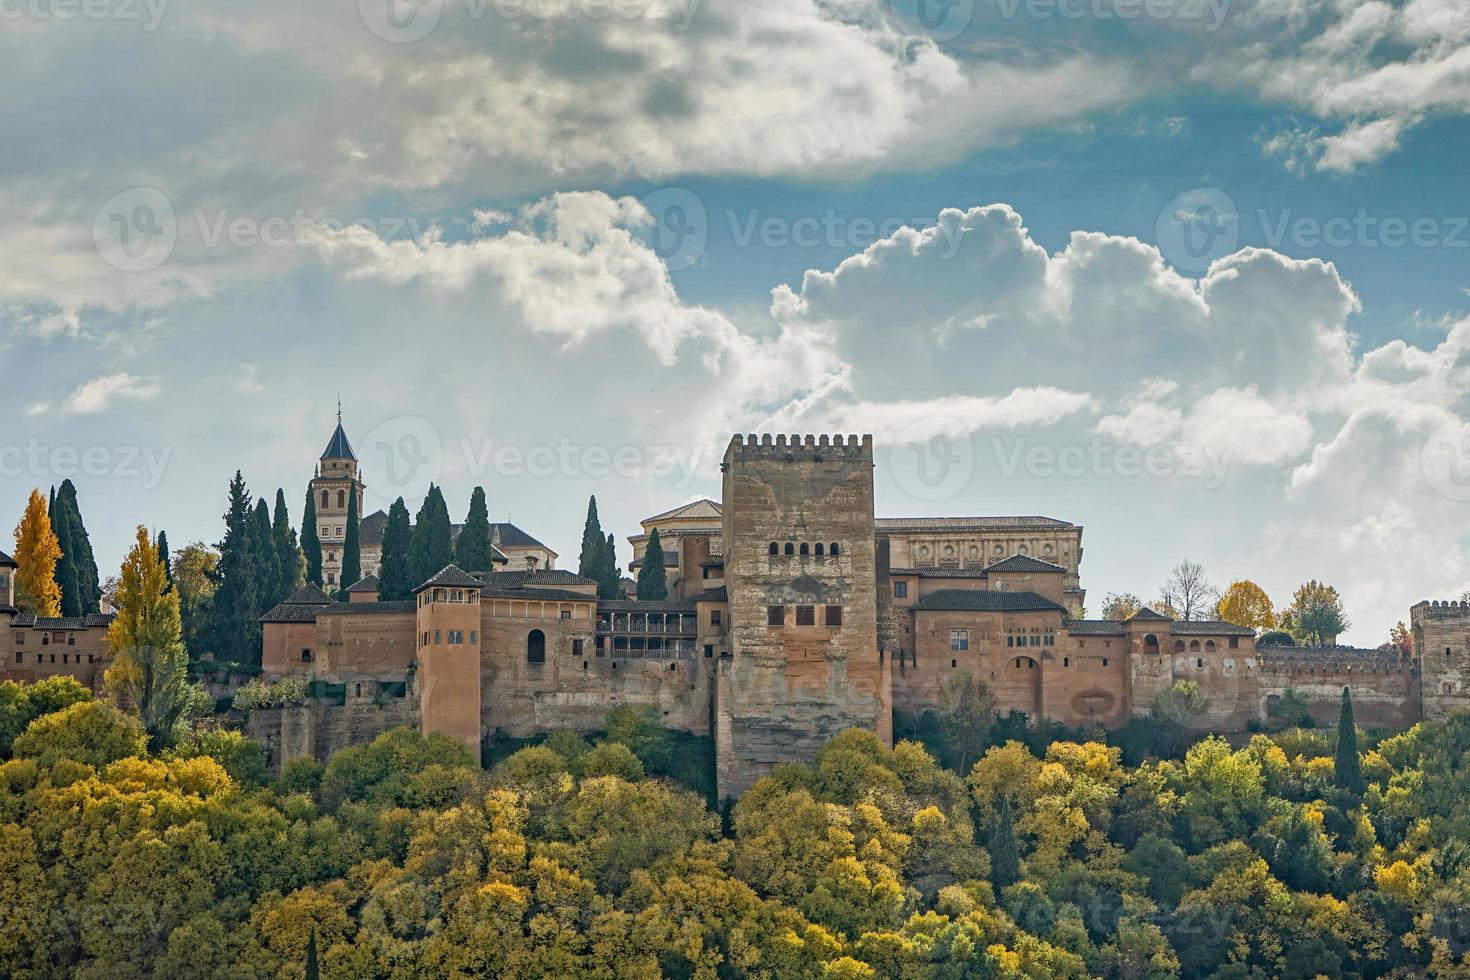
[(1188, 591)]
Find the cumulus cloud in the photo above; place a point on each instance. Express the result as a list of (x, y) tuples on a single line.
[(98, 394)]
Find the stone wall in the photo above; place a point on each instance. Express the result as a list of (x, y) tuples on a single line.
[(1385, 687), (317, 729), (366, 640), (1442, 641)]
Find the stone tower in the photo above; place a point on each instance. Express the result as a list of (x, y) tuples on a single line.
[(337, 475), (1150, 663), (1442, 644), (800, 571), (448, 645)]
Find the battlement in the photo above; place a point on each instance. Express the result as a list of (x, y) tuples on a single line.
[(800, 447), (1315, 660), (1437, 609)]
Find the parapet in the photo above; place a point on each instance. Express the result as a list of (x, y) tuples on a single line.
[(800, 447), (1437, 609)]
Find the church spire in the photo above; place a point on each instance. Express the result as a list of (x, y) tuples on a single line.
[(339, 447)]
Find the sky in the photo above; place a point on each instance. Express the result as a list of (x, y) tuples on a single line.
[(1190, 273)]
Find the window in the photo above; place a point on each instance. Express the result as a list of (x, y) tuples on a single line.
[(1035, 640), (456, 637), (20, 639), (1105, 661), (46, 640), (1194, 646), (1178, 646), (71, 639), (790, 549), (900, 590), (819, 550), (959, 640), (806, 615), (536, 647), (331, 578), (1066, 661), (775, 548), (474, 637), (357, 692), (834, 616), (1010, 640), (806, 549), (566, 614), (19, 657), (326, 501), (1235, 643), (714, 617), (954, 663), (1209, 646), (775, 615), (833, 550), (341, 498), (438, 636), (709, 650), (306, 656), (1199, 661)]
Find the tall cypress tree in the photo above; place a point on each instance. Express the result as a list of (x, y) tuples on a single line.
[(89, 582), (235, 611), (165, 559), (351, 546), (1005, 854), (472, 549), (653, 579), (430, 550), (267, 568), (393, 568), (1347, 770), (311, 545), (288, 552), (609, 577), (313, 969), (590, 564), (66, 565)]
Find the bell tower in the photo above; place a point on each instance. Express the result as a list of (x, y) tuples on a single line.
[(337, 475)]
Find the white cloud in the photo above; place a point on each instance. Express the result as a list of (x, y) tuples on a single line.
[(98, 394), (39, 408)]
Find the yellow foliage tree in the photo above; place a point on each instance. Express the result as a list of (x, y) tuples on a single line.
[(1246, 604), (36, 552)]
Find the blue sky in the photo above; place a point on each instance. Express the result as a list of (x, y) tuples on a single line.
[(566, 247)]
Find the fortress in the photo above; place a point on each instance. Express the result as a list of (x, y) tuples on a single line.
[(793, 613)]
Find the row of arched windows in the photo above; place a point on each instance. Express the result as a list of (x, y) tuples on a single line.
[(1194, 646), (818, 549)]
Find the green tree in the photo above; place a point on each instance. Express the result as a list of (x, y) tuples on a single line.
[(431, 550), (351, 546), (195, 579), (66, 565), (1005, 852), (590, 563), (1315, 616), (311, 544), (164, 558), (235, 620), (393, 568), (1120, 605), (149, 665), (1347, 770), (966, 715), (21, 704), (89, 732), (313, 969), (472, 549), (653, 580), (610, 578), (263, 551), (289, 559), (89, 588)]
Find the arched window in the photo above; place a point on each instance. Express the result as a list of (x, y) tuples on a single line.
[(1178, 646), (1194, 646), (341, 498), (45, 639), (306, 656), (71, 639), (790, 548), (833, 550), (1209, 646), (536, 647), (326, 499), (806, 549), (775, 548), (820, 549), (1150, 643)]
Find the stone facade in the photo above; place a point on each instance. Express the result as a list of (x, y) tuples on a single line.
[(1441, 633)]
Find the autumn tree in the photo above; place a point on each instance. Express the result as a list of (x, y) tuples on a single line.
[(1246, 604), (149, 663), (1315, 616), (1401, 639), (1188, 591), (1120, 605), (37, 552)]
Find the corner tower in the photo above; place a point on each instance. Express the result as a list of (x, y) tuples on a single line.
[(801, 576), (337, 475), (448, 647), (1442, 645)]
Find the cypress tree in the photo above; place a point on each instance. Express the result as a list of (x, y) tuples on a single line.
[(66, 565), (590, 563), (313, 969), (235, 610), (609, 579), (311, 545), (165, 559), (288, 552), (1005, 854), (393, 568), (89, 582), (267, 568), (1347, 770), (472, 550), (430, 550), (653, 580), (351, 546)]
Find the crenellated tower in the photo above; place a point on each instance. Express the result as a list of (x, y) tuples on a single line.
[(1442, 646), (800, 571)]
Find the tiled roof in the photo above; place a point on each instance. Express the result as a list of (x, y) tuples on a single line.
[(369, 608), (368, 583), (671, 560), (308, 595), (721, 594), (370, 529), (507, 535), (638, 605), (89, 621), (1209, 627), (300, 606), (451, 577), (7, 561), (1146, 613), (536, 595), (1024, 563), (940, 572), (984, 600), (537, 578), (339, 447), (1095, 627), (702, 509), (964, 523)]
